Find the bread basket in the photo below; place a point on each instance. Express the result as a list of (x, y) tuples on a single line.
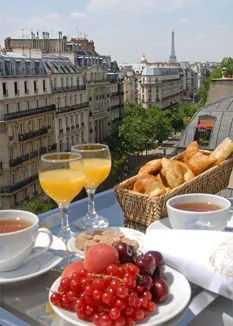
[(141, 210)]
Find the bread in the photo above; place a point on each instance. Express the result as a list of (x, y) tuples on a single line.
[(200, 162), (223, 151), (149, 185), (173, 173), (151, 167)]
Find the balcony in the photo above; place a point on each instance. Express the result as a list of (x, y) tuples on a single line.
[(27, 113), (72, 108), (115, 107), (33, 134), (100, 81), (29, 156), (64, 89), (19, 185)]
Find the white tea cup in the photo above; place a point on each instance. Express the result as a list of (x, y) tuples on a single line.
[(215, 220), (17, 247)]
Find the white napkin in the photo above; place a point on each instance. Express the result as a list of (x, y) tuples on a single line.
[(204, 257)]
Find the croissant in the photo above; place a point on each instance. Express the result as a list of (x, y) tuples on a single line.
[(223, 151), (149, 185), (151, 167)]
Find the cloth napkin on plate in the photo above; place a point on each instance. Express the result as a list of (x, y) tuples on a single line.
[(204, 257)]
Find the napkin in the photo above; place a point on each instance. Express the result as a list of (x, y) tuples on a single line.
[(204, 257)]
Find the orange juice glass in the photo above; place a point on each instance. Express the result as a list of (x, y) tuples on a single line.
[(62, 177), (97, 166)]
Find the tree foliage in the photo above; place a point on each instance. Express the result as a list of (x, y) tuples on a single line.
[(228, 64), (40, 205)]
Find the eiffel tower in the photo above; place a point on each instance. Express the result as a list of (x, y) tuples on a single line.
[(172, 58)]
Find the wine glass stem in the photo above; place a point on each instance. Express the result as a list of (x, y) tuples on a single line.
[(65, 227), (91, 203)]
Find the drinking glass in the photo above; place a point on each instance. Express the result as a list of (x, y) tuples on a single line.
[(97, 165), (61, 177)]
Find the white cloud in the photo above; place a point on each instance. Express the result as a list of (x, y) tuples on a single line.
[(135, 6), (184, 20), (78, 14)]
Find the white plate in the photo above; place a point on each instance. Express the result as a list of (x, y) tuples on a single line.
[(35, 266), (178, 299), (129, 233)]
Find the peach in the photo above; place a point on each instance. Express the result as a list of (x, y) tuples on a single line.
[(74, 267), (99, 257)]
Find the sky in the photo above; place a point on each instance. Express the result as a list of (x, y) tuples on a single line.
[(125, 29)]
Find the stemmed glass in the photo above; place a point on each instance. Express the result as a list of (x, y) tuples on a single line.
[(61, 176), (97, 165)]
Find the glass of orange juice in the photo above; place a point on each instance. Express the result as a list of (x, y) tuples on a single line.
[(97, 165), (62, 177)]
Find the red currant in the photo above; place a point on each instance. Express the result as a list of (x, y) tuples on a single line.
[(119, 304), (112, 269), (120, 321), (114, 313), (144, 302), (151, 306), (88, 289), (56, 299), (89, 310), (139, 289), (84, 282), (75, 285), (128, 311), (122, 292), (81, 314), (79, 304), (121, 271), (114, 284), (65, 283), (96, 319), (98, 284), (107, 298), (130, 321), (128, 279), (147, 295), (83, 272), (97, 294), (105, 320), (71, 295), (139, 314), (65, 302)]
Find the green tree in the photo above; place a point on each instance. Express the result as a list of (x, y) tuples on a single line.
[(40, 205), (228, 64), (216, 73)]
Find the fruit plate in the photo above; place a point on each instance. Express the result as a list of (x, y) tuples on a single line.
[(129, 233), (178, 299)]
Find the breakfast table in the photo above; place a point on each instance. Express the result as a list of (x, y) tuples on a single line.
[(26, 303)]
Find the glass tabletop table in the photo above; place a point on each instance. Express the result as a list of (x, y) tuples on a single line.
[(26, 302)]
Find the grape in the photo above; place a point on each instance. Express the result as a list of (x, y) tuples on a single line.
[(159, 290), (157, 257), (124, 252), (146, 264), (145, 281)]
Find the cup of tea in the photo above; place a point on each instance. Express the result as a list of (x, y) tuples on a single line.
[(199, 212), (18, 233)]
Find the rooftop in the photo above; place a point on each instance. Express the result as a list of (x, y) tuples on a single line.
[(222, 112)]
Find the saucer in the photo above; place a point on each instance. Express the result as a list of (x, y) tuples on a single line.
[(35, 266), (129, 233)]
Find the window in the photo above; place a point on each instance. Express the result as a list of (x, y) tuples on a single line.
[(67, 122), (72, 120), (21, 128), (60, 145), (49, 121), (81, 98), (75, 99), (60, 123), (76, 119), (28, 105), (7, 108), (12, 153), (77, 81), (46, 101), (82, 117), (62, 82), (65, 100), (25, 87), (16, 88), (72, 140), (67, 82), (31, 147), (40, 123), (18, 106), (4, 89), (44, 85), (13, 178), (82, 137), (37, 68), (71, 100), (58, 102), (67, 144), (71, 81), (35, 86), (30, 125), (55, 82)]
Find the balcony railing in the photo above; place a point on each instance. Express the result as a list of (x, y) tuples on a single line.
[(26, 113), (72, 107), (69, 88), (29, 156), (33, 134), (19, 185), (97, 81)]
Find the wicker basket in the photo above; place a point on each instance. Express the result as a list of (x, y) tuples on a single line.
[(141, 210)]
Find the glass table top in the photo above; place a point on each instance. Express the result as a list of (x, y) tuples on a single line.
[(28, 300)]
